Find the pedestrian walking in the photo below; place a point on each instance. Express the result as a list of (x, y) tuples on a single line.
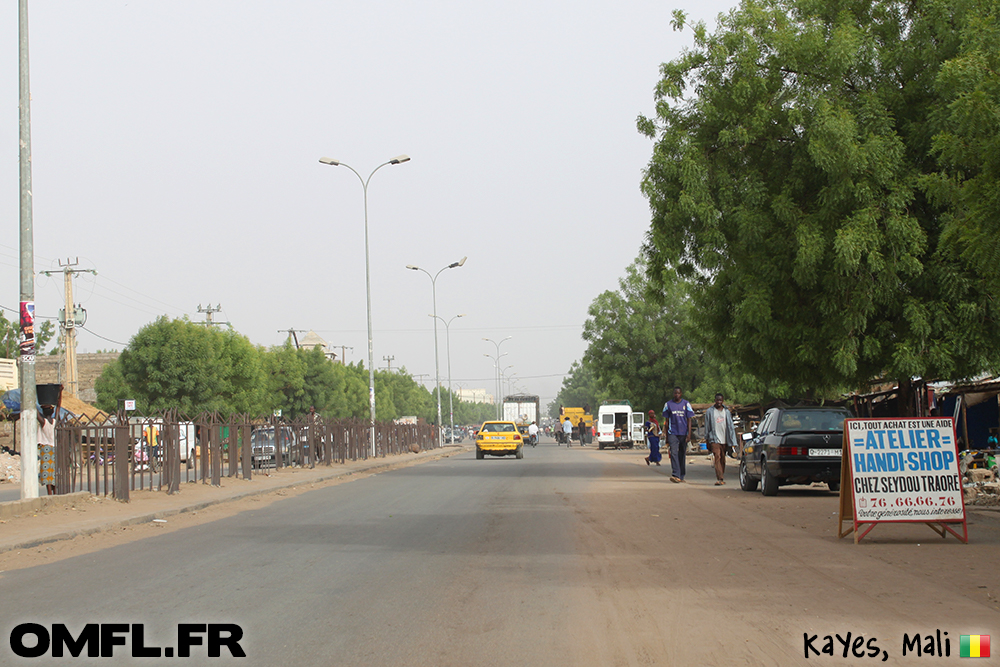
[(652, 428), (677, 415), (719, 435), (582, 429)]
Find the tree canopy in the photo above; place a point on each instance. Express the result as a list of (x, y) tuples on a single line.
[(178, 364), (807, 179), (643, 342)]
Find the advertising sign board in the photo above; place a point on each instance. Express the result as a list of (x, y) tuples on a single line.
[(901, 470)]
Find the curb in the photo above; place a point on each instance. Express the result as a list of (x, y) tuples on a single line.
[(374, 468)]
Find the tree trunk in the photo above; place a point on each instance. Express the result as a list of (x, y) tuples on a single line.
[(904, 398)]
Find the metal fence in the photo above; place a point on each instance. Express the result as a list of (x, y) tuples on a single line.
[(121, 454)]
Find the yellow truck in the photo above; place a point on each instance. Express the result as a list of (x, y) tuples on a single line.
[(575, 414)]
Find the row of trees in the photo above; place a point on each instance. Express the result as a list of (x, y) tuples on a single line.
[(825, 197), (644, 341), (193, 368)]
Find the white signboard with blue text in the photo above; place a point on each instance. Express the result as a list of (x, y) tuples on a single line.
[(901, 470)]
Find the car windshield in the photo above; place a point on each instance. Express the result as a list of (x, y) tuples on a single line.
[(498, 428), (812, 420)]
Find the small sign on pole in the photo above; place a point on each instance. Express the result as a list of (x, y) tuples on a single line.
[(129, 404), (901, 471)]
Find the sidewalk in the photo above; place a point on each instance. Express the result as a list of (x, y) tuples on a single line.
[(29, 523)]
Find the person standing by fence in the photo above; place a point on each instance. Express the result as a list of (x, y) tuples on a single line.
[(653, 435)]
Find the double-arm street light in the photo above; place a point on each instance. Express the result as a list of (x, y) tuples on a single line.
[(511, 383), (399, 159), (437, 372), (447, 348), (496, 367), (504, 378)]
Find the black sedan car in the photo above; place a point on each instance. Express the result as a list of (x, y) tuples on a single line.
[(794, 446)]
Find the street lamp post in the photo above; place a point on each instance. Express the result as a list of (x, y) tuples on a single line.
[(504, 378), (437, 372), (496, 383), (496, 389), (447, 347), (399, 159), (511, 382)]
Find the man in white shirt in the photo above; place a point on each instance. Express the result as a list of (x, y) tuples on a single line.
[(719, 434), (533, 433), (568, 431)]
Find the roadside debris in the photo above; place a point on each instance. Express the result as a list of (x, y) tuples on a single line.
[(10, 468)]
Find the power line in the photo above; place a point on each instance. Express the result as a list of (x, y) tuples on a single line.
[(464, 329), (103, 338)]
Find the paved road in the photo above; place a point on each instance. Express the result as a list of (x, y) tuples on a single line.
[(442, 563), (567, 557)]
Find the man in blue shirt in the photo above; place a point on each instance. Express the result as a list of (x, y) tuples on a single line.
[(677, 415)]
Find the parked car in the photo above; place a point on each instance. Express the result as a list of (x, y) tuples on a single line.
[(262, 445), (499, 438), (794, 446)]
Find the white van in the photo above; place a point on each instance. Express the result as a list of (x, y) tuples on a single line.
[(618, 426)]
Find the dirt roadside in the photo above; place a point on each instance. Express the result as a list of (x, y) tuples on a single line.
[(85, 523), (713, 575)]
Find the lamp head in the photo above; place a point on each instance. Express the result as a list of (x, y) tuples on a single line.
[(412, 268), (330, 161), (399, 159)]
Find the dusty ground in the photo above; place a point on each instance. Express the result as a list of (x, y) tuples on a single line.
[(714, 575)]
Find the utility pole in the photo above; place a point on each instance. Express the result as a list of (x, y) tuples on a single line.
[(291, 333), (209, 311), (388, 363), (29, 395), (343, 354), (70, 317)]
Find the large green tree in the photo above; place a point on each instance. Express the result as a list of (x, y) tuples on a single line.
[(580, 388), (182, 365), (785, 183), (967, 143), (643, 342)]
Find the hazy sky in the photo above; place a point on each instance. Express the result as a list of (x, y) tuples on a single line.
[(175, 150)]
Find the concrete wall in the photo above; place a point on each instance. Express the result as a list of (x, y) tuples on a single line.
[(50, 369)]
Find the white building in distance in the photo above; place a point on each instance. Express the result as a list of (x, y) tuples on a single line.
[(475, 396)]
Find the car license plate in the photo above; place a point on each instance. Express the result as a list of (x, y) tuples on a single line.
[(496, 437), (824, 452)]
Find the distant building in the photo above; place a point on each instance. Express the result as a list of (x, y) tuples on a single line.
[(474, 396), (312, 340)]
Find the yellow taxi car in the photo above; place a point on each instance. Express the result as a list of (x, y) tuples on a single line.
[(499, 438)]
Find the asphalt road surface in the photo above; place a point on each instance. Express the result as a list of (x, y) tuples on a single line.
[(567, 557)]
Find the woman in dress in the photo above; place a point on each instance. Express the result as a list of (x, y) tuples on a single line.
[(47, 450), (653, 435)]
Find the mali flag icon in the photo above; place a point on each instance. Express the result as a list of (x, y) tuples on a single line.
[(975, 646)]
